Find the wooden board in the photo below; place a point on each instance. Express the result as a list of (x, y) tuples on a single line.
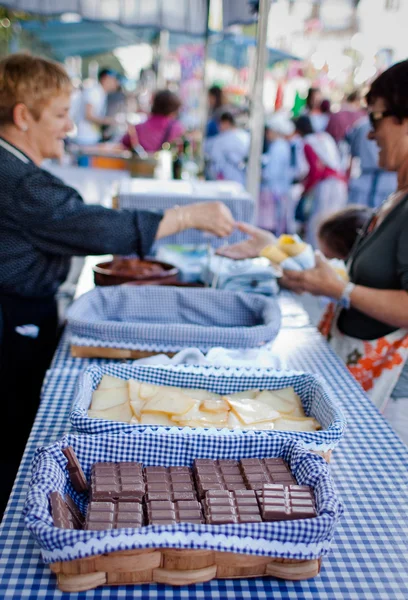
[(120, 353)]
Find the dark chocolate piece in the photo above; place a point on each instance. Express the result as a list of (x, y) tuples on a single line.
[(287, 502), (258, 471), (77, 517), (217, 475), (75, 471), (113, 515), (166, 512), (173, 483), (222, 507), (61, 515), (117, 481)]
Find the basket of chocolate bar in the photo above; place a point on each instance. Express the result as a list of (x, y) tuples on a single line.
[(138, 321), (208, 400), (153, 508)]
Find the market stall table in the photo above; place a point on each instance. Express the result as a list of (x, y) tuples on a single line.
[(369, 556)]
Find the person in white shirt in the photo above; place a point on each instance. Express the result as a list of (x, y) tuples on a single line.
[(92, 109), (229, 151)]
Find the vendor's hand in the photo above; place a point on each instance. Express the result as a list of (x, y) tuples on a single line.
[(322, 280), (251, 248), (214, 217)]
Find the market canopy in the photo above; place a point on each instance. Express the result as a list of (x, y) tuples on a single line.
[(87, 38), (186, 16)]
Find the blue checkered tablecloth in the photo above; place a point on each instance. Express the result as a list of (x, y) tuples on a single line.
[(369, 556), (148, 194)]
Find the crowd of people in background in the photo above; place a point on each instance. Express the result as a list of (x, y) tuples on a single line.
[(311, 166)]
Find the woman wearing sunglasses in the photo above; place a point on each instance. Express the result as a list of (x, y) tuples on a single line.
[(368, 325)]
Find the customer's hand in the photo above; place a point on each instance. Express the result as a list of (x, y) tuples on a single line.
[(322, 280), (214, 217), (250, 248)]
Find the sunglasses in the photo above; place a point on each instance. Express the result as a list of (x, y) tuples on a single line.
[(377, 116)]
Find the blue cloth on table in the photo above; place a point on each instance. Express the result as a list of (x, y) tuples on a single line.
[(253, 275)]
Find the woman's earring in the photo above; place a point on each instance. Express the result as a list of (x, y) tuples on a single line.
[(24, 128)]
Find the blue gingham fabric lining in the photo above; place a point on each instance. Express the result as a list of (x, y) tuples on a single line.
[(368, 558), (303, 539), (317, 401), (242, 208), (168, 319)]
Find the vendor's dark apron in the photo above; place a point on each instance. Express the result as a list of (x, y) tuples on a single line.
[(28, 338)]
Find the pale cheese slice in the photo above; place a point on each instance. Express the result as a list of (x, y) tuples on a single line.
[(121, 413), (214, 405), (282, 405), (108, 381), (147, 418), (109, 397), (252, 411), (148, 390), (170, 401), (296, 424)]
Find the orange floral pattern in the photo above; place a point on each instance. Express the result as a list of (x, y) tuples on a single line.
[(327, 320), (379, 356)]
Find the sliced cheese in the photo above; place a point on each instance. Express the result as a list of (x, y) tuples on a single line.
[(108, 381), (109, 397)]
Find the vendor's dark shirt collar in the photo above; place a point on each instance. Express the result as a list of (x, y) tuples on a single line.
[(14, 150)]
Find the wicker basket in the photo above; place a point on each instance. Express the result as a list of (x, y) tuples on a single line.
[(175, 567), (179, 554)]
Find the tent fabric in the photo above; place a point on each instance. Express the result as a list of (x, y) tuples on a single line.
[(88, 38), (186, 16)]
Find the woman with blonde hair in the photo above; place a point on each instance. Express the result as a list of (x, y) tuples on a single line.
[(44, 223)]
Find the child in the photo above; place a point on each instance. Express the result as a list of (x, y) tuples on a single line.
[(338, 232)]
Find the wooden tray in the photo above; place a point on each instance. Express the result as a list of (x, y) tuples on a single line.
[(175, 567), (102, 352)]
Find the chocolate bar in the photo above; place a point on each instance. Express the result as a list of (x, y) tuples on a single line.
[(61, 515), (286, 502), (217, 475), (75, 471), (77, 517), (258, 471), (172, 483), (112, 482), (222, 507), (166, 512), (113, 515)]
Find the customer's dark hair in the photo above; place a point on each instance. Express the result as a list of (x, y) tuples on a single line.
[(339, 231), (165, 102), (310, 96), (304, 125), (392, 87), (354, 96), (217, 94), (227, 117)]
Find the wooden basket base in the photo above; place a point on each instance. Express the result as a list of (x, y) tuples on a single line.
[(121, 353), (175, 567)]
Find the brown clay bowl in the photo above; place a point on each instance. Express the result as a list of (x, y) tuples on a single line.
[(133, 270)]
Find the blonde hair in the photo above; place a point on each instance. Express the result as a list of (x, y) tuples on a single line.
[(29, 80)]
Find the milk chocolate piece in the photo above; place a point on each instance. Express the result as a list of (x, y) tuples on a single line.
[(117, 481), (75, 471), (166, 512), (113, 515), (222, 507), (287, 502), (217, 475), (61, 515), (258, 471), (172, 483), (77, 517)]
